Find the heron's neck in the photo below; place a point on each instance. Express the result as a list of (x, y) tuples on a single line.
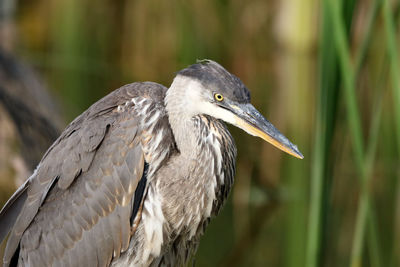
[(183, 124)]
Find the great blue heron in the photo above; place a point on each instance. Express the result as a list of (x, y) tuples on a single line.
[(135, 179)]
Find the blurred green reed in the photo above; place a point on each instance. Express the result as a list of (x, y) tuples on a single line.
[(324, 127), (354, 124), (334, 20), (326, 73), (392, 50)]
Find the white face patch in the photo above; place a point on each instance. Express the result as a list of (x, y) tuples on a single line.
[(198, 102)]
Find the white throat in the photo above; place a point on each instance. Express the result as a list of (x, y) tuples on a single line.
[(179, 103)]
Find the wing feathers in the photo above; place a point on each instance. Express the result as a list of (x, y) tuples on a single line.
[(125, 230), (92, 215), (113, 223), (78, 206), (11, 210)]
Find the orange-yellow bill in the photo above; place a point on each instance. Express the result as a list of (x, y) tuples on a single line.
[(249, 119)]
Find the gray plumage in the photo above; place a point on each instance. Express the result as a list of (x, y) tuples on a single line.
[(83, 206)]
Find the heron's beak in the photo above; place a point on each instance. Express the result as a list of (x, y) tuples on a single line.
[(249, 119)]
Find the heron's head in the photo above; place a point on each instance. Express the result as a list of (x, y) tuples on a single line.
[(207, 88)]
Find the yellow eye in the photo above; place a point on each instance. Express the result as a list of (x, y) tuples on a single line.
[(218, 97)]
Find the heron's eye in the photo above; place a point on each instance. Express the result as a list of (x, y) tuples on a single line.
[(218, 97)]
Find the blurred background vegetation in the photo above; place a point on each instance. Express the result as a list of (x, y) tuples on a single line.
[(326, 73)]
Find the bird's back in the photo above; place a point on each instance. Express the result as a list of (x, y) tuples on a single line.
[(81, 196)]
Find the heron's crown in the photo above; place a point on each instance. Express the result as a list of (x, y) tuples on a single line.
[(217, 79)]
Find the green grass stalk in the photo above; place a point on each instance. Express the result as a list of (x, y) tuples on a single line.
[(354, 124), (327, 56), (392, 48), (394, 62), (327, 73), (362, 51)]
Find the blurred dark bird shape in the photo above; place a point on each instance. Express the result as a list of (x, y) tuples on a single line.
[(135, 179)]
